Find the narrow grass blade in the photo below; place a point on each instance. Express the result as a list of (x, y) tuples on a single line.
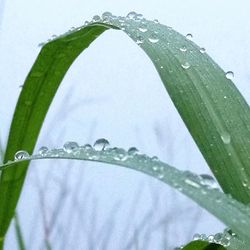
[(212, 108), (19, 235), (233, 213)]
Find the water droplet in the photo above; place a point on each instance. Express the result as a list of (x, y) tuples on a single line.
[(183, 49), (101, 144), (185, 65), (202, 50), (156, 21), (139, 40), (70, 146), (106, 16), (41, 44), (230, 75), (196, 237), (226, 138), (143, 28), (210, 238), (192, 183), (96, 18), (189, 36), (19, 155), (133, 151), (86, 23), (132, 15), (208, 180), (153, 38), (43, 150)]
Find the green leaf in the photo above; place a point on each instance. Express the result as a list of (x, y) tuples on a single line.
[(214, 111), (202, 245), (233, 213), (19, 234)]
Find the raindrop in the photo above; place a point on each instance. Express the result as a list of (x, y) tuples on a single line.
[(153, 38), (106, 15), (230, 75), (192, 183), (196, 237), (208, 180), (189, 36), (143, 28), (132, 15), (87, 146), (226, 138), (156, 21), (133, 151), (43, 150), (101, 144), (96, 18), (41, 44), (86, 23), (70, 146), (202, 50), (185, 65), (155, 159), (210, 238), (19, 155), (183, 49), (139, 40)]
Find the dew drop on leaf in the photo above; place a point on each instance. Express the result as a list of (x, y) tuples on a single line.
[(183, 49), (139, 40), (230, 75), (43, 150), (96, 18), (19, 155), (106, 15), (209, 181), (101, 144), (143, 28), (202, 50), (153, 38), (132, 15), (70, 146), (185, 65), (225, 137), (133, 151), (189, 36)]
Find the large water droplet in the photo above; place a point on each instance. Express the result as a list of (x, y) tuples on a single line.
[(230, 75), (208, 180), (153, 38), (96, 18), (101, 144), (185, 65), (133, 151), (106, 16), (70, 146), (226, 138), (19, 155), (132, 15), (189, 36), (43, 150)]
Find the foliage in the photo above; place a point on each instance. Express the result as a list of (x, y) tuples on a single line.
[(215, 113)]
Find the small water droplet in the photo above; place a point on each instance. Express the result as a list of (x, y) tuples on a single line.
[(202, 50), (189, 36), (226, 138), (101, 144), (192, 183), (143, 28), (196, 237), (139, 40), (210, 238), (19, 155), (183, 48), (86, 23), (133, 151), (70, 146), (230, 75), (156, 21), (153, 38), (41, 44), (43, 150), (185, 65)]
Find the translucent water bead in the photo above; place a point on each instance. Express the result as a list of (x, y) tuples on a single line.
[(19, 155), (70, 146), (101, 144)]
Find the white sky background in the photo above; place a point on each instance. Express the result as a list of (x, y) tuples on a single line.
[(113, 91)]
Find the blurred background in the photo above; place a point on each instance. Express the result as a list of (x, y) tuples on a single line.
[(113, 91)]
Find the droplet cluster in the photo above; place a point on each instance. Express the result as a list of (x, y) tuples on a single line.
[(219, 238)]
